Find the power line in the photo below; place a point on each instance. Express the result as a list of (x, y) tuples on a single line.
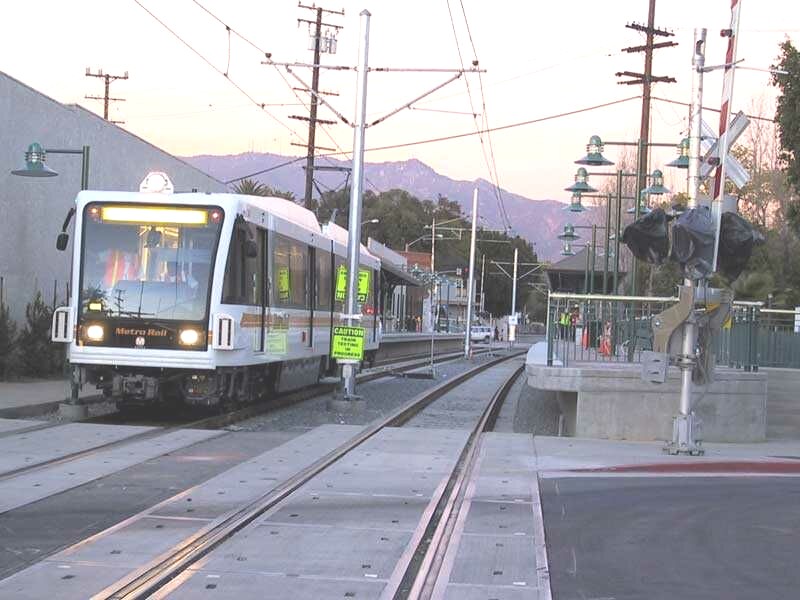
[(455, 136), (267, 170), (716, 110), (223, 73), (503, 127)]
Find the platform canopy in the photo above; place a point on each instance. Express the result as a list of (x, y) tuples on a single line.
[(394, 266)]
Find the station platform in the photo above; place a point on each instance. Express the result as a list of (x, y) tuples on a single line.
[(20, 399)]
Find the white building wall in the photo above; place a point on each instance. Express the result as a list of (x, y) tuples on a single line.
[(33, 209)]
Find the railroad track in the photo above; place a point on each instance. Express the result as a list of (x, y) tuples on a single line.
[(420, 567), (217, 421)]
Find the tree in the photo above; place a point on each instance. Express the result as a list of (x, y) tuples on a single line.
[(8, 342), (38, 356), (787, 115), (251, 187)]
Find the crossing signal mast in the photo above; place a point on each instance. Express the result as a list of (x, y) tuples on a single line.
[(108, 78)]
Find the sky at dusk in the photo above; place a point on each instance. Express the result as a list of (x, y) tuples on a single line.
[(542, 59)]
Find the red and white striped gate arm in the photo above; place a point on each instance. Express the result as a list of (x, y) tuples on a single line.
[(724, 116)]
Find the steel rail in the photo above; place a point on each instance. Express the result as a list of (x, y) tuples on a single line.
[(422, 570), (155, 575), (210, 422)]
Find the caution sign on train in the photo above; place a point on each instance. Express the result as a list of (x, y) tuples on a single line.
[(348, 343), (341, 285)]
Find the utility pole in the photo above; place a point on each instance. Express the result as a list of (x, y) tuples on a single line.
[(328, 45), (106, 97), (645, 79)]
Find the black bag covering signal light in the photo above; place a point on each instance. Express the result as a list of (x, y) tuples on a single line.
[(693, 242), (648, 237)]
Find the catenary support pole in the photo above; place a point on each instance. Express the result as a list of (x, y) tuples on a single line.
[(483, 272), (606, 244), (354, 227), (471, 277), (512, 333)]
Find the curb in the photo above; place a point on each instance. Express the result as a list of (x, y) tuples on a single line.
[(37, 410)]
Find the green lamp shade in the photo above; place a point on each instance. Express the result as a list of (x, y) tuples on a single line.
[(682, 162), (569, 234), (35, 163), (575, 204), (580, 186), (657, 187), (594, 154)]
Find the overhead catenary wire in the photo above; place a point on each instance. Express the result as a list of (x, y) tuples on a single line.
[(283, 77), (485, 120), (479, 128), (213, 66), (230, 30)]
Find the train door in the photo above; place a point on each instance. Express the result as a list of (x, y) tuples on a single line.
[(313, 292), (244, 282), (263, 245), (322, 299)]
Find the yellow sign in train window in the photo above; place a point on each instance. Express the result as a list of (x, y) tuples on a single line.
[(362, 294), (284, 283)]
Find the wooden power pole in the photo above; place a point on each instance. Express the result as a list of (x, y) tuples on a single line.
[(105, 97), (320, 45)]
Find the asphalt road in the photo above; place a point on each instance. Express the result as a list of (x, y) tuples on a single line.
[(673, 537)]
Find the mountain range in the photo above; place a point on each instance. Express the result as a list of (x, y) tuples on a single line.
[(539, 221)]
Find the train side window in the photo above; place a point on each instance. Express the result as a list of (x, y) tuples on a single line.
[(323, 291), (290, 273), (244, 283)]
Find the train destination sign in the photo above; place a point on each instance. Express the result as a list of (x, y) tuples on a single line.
[(341, 285), (348, 343)]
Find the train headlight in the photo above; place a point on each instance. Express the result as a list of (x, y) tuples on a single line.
[(95, 333), (189, 337)]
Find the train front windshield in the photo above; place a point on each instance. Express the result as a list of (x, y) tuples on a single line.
[(149, 262)]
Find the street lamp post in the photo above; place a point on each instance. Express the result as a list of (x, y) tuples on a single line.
[(35, 166), (594, 157)]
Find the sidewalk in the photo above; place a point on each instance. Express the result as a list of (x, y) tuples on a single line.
[(570, 457), (36, 397)]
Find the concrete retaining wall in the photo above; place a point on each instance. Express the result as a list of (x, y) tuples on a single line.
[(400, 345), (611, 401)]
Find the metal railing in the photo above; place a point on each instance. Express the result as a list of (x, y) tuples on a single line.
[(605, 328), (600, 328)]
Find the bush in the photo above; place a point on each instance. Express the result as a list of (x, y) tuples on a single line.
[(38, 356)]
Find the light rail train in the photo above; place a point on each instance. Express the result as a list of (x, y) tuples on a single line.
[(204, 298)]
